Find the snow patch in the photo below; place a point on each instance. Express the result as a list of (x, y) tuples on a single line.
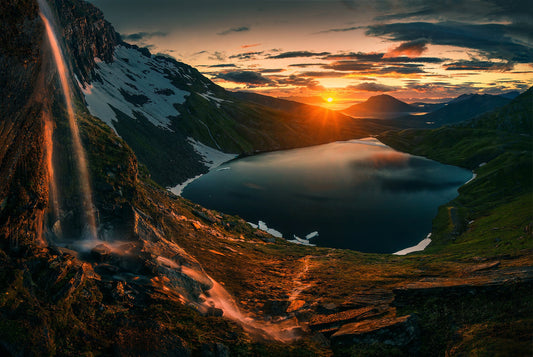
[(311, 235), (474, 175), (262, 226), (298, 240), (211, 157), (139, 78), (210, 96), (178, 189), (417, 248)]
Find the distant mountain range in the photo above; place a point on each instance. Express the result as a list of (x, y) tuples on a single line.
[(380, 106), (464, 107)]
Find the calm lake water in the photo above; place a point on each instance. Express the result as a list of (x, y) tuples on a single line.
[(358, 194)]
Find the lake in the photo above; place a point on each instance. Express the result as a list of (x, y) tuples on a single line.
[(358, 194)]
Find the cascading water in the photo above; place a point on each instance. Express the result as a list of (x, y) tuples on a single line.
[(80, 157)]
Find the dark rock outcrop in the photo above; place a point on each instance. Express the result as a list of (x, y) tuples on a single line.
[(393, 331), (87, 35)]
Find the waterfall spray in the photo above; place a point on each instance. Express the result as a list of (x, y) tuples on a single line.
[(80, 157)]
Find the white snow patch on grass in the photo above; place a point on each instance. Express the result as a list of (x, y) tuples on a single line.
[(472, 179), (298, 240), (178, 189), (311, 235), (136, 75), (417, 248), (211, 157), (262, 226), (210, 96)]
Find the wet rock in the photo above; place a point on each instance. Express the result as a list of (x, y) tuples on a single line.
[(393, 331), (105, 269), (213, 311), (100, 252), (276, 307)]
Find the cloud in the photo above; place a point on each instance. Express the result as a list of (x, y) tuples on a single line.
[(271, 70), (478, 66), (247, 77), (303, 65), (491, 40), (294, 54), (299, 81), (343, 29), (373, 87), (246, 55), (218, 56), (251, 45), (411, 48), (349, 66), (142, 36), (382, 57), (324, 74), (234, 29), (222, 65)]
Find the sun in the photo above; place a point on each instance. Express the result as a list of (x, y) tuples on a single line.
[(329, 100)]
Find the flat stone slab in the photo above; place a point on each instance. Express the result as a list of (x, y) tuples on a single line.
[(394, 331)]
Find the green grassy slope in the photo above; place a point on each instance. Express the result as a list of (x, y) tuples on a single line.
[(493, 213)]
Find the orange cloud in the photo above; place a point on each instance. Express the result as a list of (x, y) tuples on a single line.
[(251, 45), (411, 49)]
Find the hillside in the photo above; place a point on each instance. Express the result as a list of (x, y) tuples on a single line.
[(514, 117), (491, 146), (463, 108)]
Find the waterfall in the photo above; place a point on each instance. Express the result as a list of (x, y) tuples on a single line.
[(79, 152)]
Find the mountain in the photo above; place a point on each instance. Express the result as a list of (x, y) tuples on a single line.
[(514, 117), (171, 115), (166, 277), (464, 107), (380, 106)]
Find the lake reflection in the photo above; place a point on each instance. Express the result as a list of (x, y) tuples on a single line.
[(358, 194)]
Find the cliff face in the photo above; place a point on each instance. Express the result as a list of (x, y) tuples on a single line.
[(23, 184), (87, 35)]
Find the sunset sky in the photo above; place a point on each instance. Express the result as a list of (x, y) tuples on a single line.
[(346, 50)]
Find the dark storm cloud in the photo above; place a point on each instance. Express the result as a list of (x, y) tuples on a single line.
[(295, 54), (478, 66), (492, 40), (142, 36), (246, 77), (373, 87), (234, 29)]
